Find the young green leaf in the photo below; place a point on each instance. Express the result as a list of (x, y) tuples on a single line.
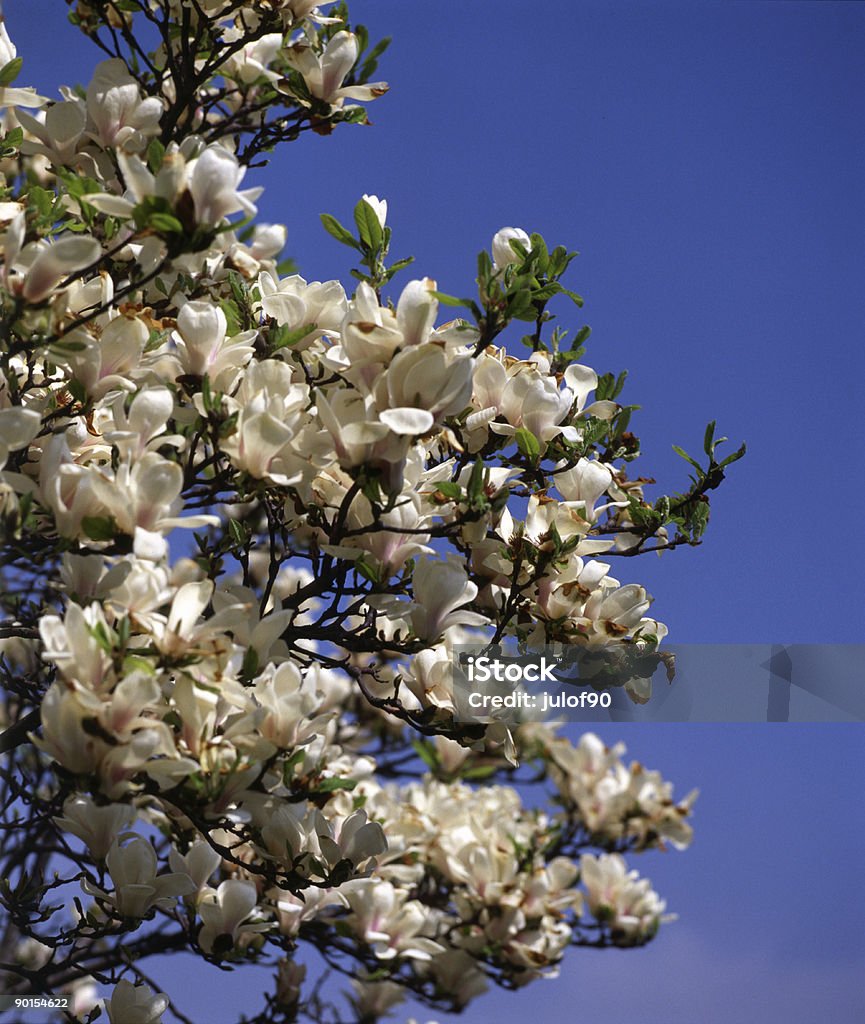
[(527, 443), (368, 225), (333, 227), (683, 454), (9, 72)]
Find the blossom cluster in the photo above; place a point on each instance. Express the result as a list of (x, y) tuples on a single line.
[(247, 517)]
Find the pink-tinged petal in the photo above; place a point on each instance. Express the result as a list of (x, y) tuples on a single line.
[(54, 262)]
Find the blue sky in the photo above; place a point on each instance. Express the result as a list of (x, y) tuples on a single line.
[(707, 160)]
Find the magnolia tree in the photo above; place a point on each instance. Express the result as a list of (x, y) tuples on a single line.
[(243, 745)]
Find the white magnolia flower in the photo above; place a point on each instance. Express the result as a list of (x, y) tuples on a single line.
[(199, 863), (272, 410), (135, 1004), (370, 336), (145, 420), (142, 497), (532, 399), (210, 178), (213, 180), (137, 887), (358, 434), (109, 362), (441, 589), (503, 253), (117, 113), (354, 838), (324, 73), (621, 899), (224, 913), (430, 678), (250, 63), (268, 240), (57, 132), (203, 348), (8, 50), (459, 975), (71, 643), (389, 922), (422, 387), (294, 304), (619, 610), (564, 594), (582, 486), (95, 825), (398, 540)]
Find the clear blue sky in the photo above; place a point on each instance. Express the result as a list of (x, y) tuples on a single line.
[(708, 161)]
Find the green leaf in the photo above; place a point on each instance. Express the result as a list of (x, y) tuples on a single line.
[(370, 63), (485, 265), (99, 527), (681, 452), (709, 438), (249, 666), (519, 248), (239, 289), (207, 395), (399, 265), (14, 138), (155, 155), (449, 300), (426, 753), (333, 227), (623, 419), (547, 291), (609, 386), (295, 759), (10, 71), (238, 532), (520, 307), (368, 225), (527, 443), (232, 315), (229, 424), (368, 571), (165, 224), (734, 457), (283, 337), (475, 488), (450, 489), (332, 784), (540, 253)]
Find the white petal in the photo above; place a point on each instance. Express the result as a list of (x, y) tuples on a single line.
[(114, 206), (407, 421)]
